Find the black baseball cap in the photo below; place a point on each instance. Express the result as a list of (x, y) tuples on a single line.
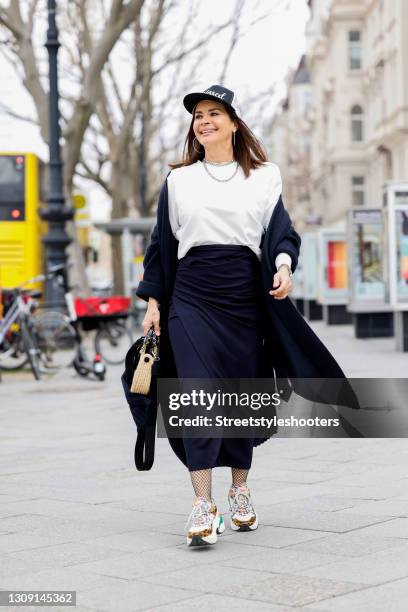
[(215, 92)]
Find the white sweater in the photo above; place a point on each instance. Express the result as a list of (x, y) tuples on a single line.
[(205, 211)]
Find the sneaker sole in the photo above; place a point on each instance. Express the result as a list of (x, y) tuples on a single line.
[(245, 526), (198, 540)]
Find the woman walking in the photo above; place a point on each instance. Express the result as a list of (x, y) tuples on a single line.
[(218, 204)]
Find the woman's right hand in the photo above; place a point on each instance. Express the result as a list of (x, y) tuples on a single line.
[(152, 317)]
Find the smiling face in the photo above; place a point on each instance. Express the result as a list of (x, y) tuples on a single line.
[(212, 124)]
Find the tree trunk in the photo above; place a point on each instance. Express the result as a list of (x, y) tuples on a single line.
[(117, 265), (119, 211)]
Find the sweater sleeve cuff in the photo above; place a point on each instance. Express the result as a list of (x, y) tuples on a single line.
[(147, 289), (283, 258)]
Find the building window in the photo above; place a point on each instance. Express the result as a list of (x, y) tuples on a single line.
[(354, 50), (358, 190), (357, 120)]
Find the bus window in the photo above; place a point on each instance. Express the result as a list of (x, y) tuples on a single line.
[(12, 188)]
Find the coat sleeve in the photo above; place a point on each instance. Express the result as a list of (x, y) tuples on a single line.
[(290, 244), (152, 283)]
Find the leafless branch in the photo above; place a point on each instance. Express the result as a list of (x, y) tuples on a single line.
[(8, 111), (89, 174), (239, 5)]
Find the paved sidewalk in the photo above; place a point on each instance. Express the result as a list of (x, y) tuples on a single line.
[(75, 514), (371, 358)]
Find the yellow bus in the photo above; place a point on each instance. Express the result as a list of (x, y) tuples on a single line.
[(21, 228)]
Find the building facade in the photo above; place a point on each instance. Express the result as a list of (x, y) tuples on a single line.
[(355, 131), (291, 142)]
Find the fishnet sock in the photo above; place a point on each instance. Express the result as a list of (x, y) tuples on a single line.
[(239, 476), (201, 480)]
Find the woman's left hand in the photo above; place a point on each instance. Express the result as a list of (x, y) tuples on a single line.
[(282, 283)]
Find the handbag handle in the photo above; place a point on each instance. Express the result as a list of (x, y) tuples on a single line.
[(146, 440), (144, 448), (154, 340)]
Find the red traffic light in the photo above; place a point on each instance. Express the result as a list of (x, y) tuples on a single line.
[(15, 213)]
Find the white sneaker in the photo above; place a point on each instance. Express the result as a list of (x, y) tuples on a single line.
[(204, 522), (243, 515)]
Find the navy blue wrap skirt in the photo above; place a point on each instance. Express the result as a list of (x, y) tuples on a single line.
[(215, 332)]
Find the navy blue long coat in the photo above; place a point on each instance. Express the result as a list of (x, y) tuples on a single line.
[(291, 348)]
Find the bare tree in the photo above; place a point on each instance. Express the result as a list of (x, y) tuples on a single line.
[(120, 17)]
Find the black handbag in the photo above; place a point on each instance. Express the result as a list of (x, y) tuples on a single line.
[(143, 407)]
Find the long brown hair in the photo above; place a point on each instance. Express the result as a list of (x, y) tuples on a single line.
[(248, 150)]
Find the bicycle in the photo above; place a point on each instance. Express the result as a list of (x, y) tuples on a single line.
[(50, 338), (106, 315), (18, 342), (58, 333)]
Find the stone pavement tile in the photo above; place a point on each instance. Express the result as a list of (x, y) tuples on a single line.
[(220, 603), (176, 528), (390, 473), (290, 590), (317, 520), (279, 560), (389, 507), (150, 517), (178, 507), (84, 494), (55, 478), (21, 522), (352, 544), (395, 528), (133, 520), (144, 496), (402, 496), (377, 490), (165, 473), (12, 542), (57, 578), (320, 462), (7, 499), (390, 596), (323, 450), (154, 563), (374, 568), (325, 503), (207, 578), (135, 541), (132, 596), (60, 555), (62, 530), (33, 466), (312, 521), (279, 449), (57, 508), (90, 512)]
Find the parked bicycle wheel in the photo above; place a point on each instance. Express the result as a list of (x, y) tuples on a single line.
[(56, 338), (112, 341), (32, 350), (13, 355)]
